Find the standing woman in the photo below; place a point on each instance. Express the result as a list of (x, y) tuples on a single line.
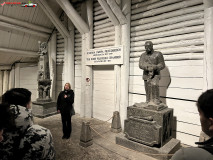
[(65, 107)]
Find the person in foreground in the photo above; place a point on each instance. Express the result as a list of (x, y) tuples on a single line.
[(6, 119), (204, 151), (65, 107), (22, 140)]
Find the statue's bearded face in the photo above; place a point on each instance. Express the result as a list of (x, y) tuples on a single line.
[(148, 46)]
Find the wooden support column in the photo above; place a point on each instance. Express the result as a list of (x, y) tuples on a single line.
[(89, 72), (69, 61), (83, 77), (125, 40), (5, 81), (12, 78), (87, 43), (117, 68), (52, 64), (117, 71), (17, 75), (1, 83), (71, 56), (65, 65), (208, 43)]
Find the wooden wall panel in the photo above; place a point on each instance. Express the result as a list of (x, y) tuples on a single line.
[(104, 30), (103, 92), (28, 79)]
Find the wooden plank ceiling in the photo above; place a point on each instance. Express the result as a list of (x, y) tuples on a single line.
[(18, 40)]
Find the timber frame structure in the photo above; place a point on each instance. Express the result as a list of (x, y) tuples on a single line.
[(181, 29)]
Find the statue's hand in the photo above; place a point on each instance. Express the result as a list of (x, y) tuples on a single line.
[(150, 68)]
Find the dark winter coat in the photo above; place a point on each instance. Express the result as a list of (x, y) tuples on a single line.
[(27, 141), (65, 105)]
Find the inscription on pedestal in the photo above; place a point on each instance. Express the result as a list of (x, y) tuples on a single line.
[(139, 130), (162, 118)]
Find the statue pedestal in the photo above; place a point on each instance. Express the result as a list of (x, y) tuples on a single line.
[(149, 130), (43, 109), (168, 148)]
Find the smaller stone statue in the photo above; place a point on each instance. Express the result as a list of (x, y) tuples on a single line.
[(152, 62), (44, 82)]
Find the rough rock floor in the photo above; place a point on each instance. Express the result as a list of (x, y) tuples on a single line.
[(102, 149)]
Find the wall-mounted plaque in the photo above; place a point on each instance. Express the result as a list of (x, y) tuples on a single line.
[(105, 56)]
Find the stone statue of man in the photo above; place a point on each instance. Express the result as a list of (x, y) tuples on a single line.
[(151, 62)]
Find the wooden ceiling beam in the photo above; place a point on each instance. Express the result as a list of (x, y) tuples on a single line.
[(73, 15), (117, 11), (109, 12), (5, 67), (17, 52), (25, 24), (54, 18), (8, 26)]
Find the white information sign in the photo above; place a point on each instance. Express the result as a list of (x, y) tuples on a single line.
[(104, 56)]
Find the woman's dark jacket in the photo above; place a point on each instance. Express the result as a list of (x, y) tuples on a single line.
[(65, 105)]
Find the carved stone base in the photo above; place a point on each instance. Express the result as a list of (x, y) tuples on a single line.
[(41, 100), (43, 109), (168, 148), (147, 126), (142, 131)]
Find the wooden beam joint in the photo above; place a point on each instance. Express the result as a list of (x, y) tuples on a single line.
[(73, 15), (117, 11), (109, 12)]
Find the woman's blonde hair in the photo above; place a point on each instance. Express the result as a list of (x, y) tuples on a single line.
[(68, 85)]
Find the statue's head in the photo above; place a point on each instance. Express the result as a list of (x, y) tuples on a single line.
[(149, 46), (42, 47)]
